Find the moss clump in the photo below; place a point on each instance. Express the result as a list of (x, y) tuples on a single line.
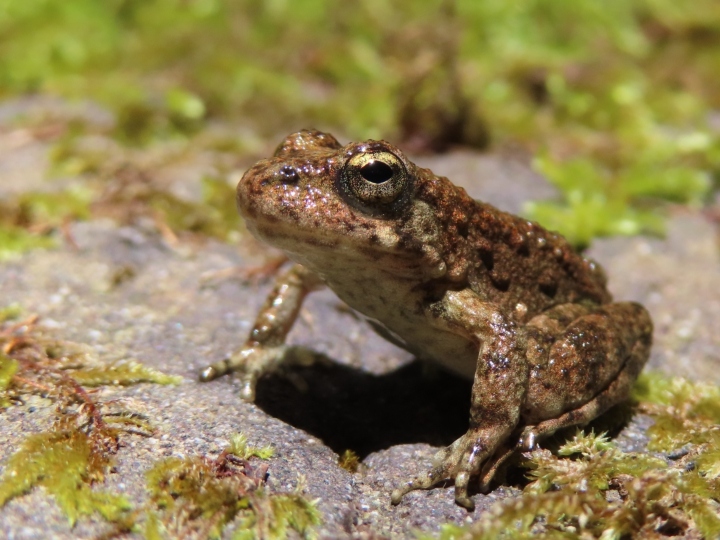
[(27, 220), (77, 451), (66, 461), (349, 461), (126, 193), (596, 202), (215, 215), (200, 497), (592, 489), (15, 240), (687, 419), (239, 447), (131, 194), (123, 374)]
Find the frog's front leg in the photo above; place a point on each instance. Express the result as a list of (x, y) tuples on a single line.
[(264, 350), (499, 387)]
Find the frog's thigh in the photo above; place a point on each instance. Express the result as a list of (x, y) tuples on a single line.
[(614, 392), (590, 366)]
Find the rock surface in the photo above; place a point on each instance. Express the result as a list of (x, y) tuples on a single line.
[(171, 314)]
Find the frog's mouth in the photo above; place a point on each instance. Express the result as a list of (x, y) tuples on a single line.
[(338, 249)]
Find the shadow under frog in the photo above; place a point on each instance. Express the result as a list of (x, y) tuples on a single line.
[(351, 409), (487, 295)]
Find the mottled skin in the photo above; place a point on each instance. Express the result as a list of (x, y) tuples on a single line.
[(486, 294)]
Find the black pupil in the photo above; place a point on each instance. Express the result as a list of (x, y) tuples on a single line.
[(376, 171)]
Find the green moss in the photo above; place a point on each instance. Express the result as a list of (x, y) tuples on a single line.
[(72, 458), (199, 495), (13, 311), (15, 240), (603, 493), (61, 462), (349, 461), (8, 368), (215, 216), (27, 219), (684, 412), (126, 373), (53, 208), (275, 516), (240, 448), (597, 201)]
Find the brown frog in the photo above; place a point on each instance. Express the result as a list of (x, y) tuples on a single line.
[(483, 293)]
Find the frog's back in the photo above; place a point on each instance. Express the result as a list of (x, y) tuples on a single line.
[(509, 260)]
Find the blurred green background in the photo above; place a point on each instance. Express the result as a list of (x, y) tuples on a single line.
[(618, 100)]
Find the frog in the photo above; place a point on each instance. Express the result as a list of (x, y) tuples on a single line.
[(490, 296)]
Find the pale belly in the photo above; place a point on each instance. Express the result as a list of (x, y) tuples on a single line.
[(451, 351)]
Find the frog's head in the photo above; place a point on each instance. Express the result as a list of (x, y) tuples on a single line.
[(318, 200)]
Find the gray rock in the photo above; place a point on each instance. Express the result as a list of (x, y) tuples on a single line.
[(372, 398)]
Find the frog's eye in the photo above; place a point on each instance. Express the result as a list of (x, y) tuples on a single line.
[(377, 180)]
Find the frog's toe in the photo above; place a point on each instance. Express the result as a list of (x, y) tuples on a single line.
[(461, 491), (248, 382), (212, 372), (448, 463), (422, 481), (248, 365)]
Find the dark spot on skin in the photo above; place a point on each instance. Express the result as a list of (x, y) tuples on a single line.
[(351, 294), (519, 242), (406, 239), (548, 288), (523, 249), (374, 238), (500, 280), (487, 259), (463, 229), (433, 291), (252, 212)]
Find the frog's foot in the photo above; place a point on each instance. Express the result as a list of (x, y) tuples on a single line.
[(526, 442), (248, 364), (462, 460)]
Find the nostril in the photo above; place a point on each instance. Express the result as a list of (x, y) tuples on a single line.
[(288, 174)]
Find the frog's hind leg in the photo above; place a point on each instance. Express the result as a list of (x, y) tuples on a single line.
[(527, 441), (615, 392)]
